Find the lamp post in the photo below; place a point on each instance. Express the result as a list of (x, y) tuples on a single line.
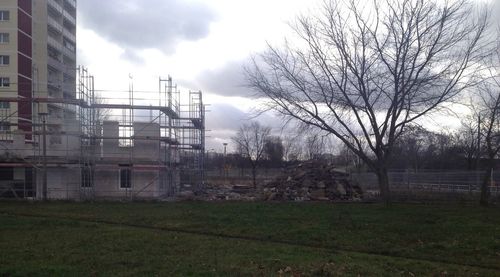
[(44, 156), (225, 168)]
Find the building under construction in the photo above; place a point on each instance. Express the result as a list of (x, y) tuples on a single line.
[(102, 144)]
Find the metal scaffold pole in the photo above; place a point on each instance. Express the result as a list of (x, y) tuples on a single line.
[(44, 158)]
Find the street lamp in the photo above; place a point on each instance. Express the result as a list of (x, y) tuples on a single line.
[(44, 155), (225, 169)]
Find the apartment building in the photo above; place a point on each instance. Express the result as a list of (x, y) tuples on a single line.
[(37, 71), (37, 59)]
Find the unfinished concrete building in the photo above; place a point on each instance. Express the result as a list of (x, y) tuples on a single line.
[(58, 140), (134, 147)]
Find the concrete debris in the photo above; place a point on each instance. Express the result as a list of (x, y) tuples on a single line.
[(308, 181), (313, 180)]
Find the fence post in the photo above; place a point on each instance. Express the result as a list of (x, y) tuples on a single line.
[(478, 182), (408, 182), (470, 188), (492, 183)]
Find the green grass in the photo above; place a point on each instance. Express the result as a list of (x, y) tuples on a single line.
[(249, 239)]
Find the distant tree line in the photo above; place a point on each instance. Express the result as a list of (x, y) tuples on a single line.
[(417, 150)]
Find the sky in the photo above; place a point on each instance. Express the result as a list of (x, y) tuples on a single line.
[(202, 44)]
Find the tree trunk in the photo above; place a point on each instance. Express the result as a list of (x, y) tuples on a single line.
[(383, 182), (485, 185), (254, 176)]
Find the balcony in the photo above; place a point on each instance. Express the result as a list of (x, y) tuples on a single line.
[(72, 3), (55, 64), (70, 36), (54, 43), (54, 89), (55, 80), (70, 46), (56, 6), (69, 90), (54, 24), (69, 18), (69, 57)]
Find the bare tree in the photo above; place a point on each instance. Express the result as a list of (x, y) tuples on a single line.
[(490, 129), (466, 139), (292, 148), (364, 73), (274, 150), (250, 141), (315, 145), (489, 120), (101, 114)]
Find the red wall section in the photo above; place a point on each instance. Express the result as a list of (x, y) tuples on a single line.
[(25, 44), (24, 22), (25, 5), (25, 65), (25, 108), (24, 79)]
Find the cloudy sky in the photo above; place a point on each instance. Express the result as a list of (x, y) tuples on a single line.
[(202, 44)]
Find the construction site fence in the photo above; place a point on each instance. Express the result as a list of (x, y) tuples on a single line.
[(431, 186), (71, 194)]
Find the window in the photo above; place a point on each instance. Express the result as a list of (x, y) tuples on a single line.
[(126, 136), (125, 174), (4, 126), (4, 60), (4, 37), (4, 15), (4, 82), (4, 105), (86, 181)]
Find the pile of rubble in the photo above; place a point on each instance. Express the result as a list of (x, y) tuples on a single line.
[(313, 180), (222, 193)]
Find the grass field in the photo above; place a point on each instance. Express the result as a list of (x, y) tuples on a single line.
[(249, 239)]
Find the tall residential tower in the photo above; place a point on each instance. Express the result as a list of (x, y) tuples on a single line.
[(37, 73)]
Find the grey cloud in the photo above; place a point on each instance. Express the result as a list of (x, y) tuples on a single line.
[(225, 116), (223, 121), (228, 80), (496, 12), (145, 24), (81, 56), (132, 56)]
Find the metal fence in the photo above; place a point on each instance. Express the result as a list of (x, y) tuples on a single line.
[(432, 182)]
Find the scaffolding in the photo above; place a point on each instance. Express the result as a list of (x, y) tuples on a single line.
[(108, 144)]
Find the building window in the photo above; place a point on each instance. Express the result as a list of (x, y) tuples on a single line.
[(125, 178), (4, 60), (4, 38), (4, 82), (4, 126), (86, 181), (4, 105), (4, 15), (126, 136)]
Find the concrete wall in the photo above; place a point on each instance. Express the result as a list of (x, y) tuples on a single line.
[(144, 148), (144, 184), (62, 183)]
